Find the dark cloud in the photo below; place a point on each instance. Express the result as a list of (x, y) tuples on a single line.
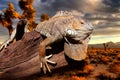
[(110, 6), (86, 6), (104, 14), (107, 31), (112, 3), (99, 16), (51, 6)]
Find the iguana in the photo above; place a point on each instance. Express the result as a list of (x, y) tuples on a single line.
[(67, 26)]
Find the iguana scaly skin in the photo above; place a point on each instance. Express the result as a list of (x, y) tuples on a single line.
[(68, 26)]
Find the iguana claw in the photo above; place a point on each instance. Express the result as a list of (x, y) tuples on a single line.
[(44, 64)]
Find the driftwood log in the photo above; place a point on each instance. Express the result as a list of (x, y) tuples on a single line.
[(21, 59)]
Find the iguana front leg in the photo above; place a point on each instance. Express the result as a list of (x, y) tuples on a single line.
[(42, 55)]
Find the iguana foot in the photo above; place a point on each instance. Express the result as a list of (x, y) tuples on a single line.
[(44, 63)]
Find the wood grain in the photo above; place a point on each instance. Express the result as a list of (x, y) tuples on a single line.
[(21, 59)]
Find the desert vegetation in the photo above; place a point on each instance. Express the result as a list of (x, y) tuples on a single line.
[(101, 65)]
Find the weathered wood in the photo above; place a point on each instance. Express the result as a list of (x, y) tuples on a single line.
[(21, 58)]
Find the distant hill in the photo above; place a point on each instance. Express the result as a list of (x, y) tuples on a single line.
[(110, 45), (118, 43)]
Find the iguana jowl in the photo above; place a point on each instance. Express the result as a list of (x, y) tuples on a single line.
[(68, 26)]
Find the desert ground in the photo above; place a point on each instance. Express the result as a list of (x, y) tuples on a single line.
[(101, 64)]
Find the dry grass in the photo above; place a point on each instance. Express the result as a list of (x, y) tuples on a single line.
[(103, 65), (88, 68), (115, 68), (78, 78)]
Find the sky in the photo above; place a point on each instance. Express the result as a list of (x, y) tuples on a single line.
[(103, 14)]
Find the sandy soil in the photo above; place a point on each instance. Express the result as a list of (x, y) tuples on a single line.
[(101, 65)]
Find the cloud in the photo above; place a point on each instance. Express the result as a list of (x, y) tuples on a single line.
[(51, 6), (3, 34), (103, 14), (89, 6), (107, 31), (105, 23), (99, 12)]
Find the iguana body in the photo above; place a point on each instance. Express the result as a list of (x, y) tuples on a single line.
[(68, 26)]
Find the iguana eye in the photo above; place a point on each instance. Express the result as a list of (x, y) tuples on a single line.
[(69, 31)]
